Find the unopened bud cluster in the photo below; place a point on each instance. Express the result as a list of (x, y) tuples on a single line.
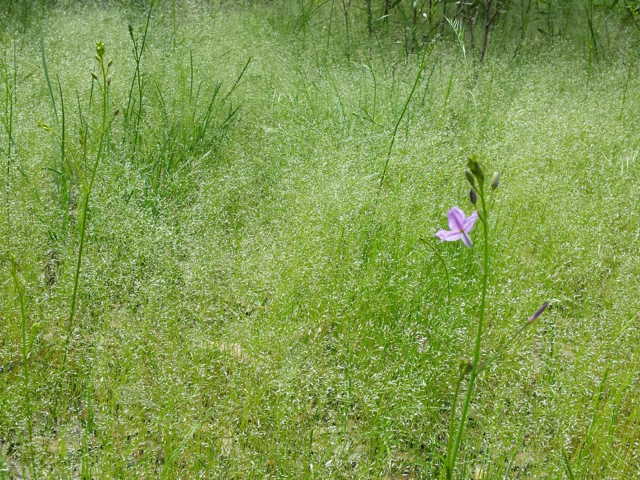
[(476, 178), (100, 52)]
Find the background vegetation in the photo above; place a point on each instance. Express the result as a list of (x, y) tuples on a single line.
[(203, 275)]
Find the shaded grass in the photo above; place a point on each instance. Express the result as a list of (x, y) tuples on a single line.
[(266, 313)]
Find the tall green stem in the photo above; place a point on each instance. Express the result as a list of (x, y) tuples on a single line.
[(104, 126), (401, 116), (475, 366)]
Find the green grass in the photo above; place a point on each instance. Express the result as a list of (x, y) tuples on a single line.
[(251, 304)]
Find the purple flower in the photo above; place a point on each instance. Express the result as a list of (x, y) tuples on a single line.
[(459, 225), (538, 312)]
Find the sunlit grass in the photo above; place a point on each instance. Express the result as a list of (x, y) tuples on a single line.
[(253, 305)]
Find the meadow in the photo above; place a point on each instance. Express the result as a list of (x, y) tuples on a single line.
[(218, 254)]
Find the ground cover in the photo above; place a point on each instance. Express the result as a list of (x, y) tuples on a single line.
[(252, 301)]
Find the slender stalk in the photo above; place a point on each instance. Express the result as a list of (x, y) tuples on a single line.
[(567, 465), (64, 172), (12, 103), (369, 9), (401, 116), (237, 80), (592, 33), (137, 77), (475, 366), (454, 408), (10, 84), (43, 55), (85, 202), (25, 351), (10, 80)]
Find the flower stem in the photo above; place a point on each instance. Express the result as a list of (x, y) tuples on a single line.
[(452, 454)]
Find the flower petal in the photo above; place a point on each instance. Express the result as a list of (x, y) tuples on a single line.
[(456, 219), (469, 222), (466, 239), (448, 236)]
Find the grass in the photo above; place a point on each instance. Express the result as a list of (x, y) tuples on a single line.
[(252, 304)]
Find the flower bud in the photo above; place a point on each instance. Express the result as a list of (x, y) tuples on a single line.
[(473, 196), (495, 180), (476, 169), (94, 76), (538, 312), (100, 49), (469, 177)]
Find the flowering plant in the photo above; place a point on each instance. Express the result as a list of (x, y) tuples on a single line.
[(460, 227)]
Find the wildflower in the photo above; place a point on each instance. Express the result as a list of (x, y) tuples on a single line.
[(460, 225), (538, 312)]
